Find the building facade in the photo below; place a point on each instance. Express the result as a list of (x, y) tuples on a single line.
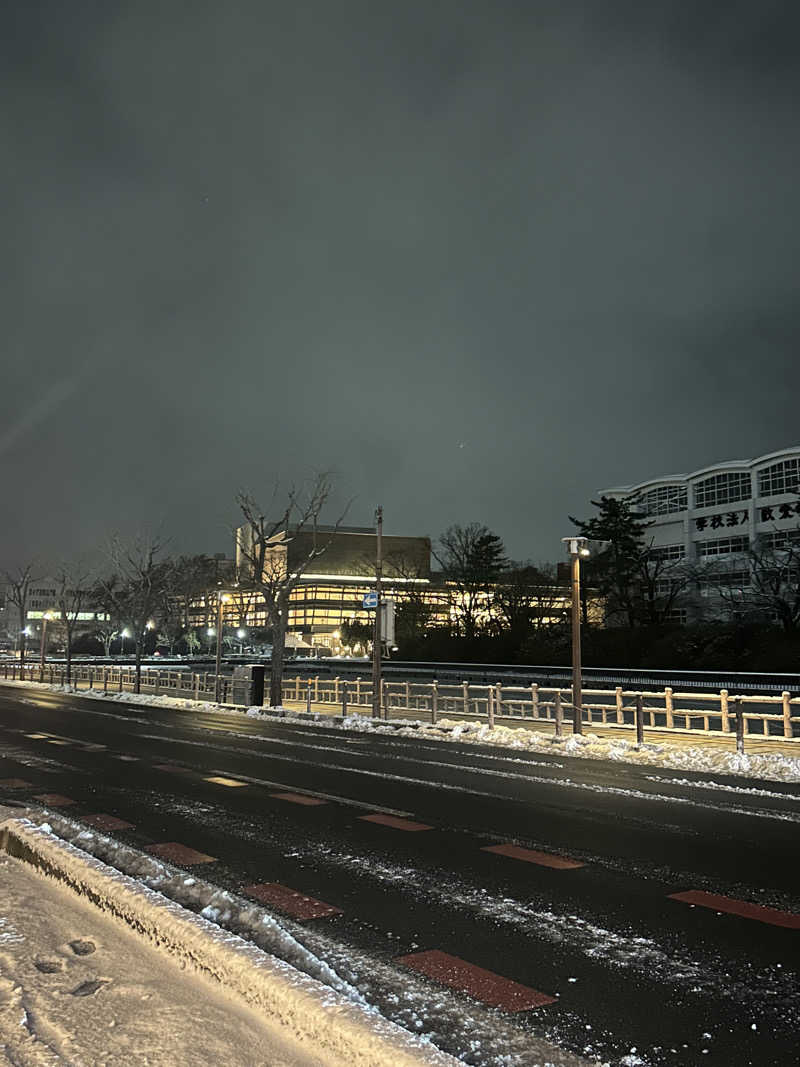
[(711, 521)]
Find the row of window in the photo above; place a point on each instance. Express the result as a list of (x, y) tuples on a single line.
[(776, 541), (725, 488)]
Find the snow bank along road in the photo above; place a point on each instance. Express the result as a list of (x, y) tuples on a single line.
[(633, 915)]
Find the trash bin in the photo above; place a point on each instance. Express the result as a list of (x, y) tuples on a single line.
[(248, 685)]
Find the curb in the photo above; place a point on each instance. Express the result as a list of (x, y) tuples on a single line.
[(325, 1022)]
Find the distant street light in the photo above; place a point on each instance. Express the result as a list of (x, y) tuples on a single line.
[(43, 647), (241, 634), (122, 635), (221, 599)]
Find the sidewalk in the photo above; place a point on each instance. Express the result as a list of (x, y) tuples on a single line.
[(96, 969)]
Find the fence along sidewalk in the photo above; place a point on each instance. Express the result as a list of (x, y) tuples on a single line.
[(769, 717)]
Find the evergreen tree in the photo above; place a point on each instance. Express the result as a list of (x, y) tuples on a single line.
[(616, 570)]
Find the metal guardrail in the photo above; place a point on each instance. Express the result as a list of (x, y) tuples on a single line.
[(766, 715)]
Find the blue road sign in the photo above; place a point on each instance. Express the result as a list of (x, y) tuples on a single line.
[(370, 601)]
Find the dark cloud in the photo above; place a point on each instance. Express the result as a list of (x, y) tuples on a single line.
[(480, 258)]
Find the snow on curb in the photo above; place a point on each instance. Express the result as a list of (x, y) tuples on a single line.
[(320, 1017)]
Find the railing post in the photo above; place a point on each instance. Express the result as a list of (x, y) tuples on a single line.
[(344, 699), (434, 700), (358, 690), (336, 690), (308, 696), (316, 689), (408, 697), (639, 719), (490, 706), (465, 691), (535, 700), (787, 714), (91, 678), (120, 679), (739, 725), (618, 697), (723, 707), (383, 697), (668, 706), (559, 715), (105, 679), (498, 703)]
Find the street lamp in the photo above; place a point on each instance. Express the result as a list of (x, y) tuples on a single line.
[(45, 619), (577, 547), (241, 634), (122, 635), (221, 599)]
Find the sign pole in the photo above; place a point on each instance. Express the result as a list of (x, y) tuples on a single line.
[(577, 695), (376, 636)]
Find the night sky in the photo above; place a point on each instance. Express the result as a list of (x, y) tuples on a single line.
[(479, 259)]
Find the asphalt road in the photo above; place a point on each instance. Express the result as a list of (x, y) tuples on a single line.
[(392, 834)]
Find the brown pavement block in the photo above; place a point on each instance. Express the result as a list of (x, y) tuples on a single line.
[(532, 855), (179, 854), (295, 904), (476, 982), (106, 822), (54, 800), (395, 822)]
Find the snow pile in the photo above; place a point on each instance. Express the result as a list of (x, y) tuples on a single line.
[(327, 1020)]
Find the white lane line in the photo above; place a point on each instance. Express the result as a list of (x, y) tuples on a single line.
[(314, 793), (564, 783)]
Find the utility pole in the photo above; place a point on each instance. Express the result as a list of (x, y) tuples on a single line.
[(376, 636), (43, 648), (218, 667), (577, 693)]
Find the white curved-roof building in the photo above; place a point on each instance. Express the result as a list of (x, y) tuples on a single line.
[(722, 510)]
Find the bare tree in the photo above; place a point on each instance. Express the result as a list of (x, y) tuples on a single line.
[(273, 555), (764, 581), (19, 582), (527, 598), (472, 558), (136, 589), (659, 584), (73, 593)]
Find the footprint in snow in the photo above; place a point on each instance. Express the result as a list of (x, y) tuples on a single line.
[(89, 988), (82, 948), (49, 966)]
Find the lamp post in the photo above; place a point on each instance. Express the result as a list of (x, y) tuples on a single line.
[(221, 598), (577, 547), (43, 647), (241, 634), (376, 638)]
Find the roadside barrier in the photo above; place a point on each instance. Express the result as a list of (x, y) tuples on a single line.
[(765, 716)]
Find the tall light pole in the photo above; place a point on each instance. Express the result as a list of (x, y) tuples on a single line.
[(577, 547), (221, 598), (376, 636), (43, 647)]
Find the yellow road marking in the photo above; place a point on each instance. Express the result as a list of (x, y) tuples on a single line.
[(224, 781)]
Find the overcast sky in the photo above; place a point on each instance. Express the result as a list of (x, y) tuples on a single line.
[(478, 258)]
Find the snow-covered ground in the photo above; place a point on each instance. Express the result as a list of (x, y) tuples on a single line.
[(78, 988), (709, 756)]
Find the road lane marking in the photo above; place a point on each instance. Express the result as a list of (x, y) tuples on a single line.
[(298, 798), (171, 768), (15, 783), (476, 982), (56, 741), (395, 823), (219, 780), (37, 737), (106, 822), (267, 783), (179, 854), (128, 759), (54, 800), (290, 901), (743, 908), (532, 855)]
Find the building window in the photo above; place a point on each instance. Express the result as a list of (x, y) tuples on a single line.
[(722, 546), (665, 500), (722, 489), (677, 615), (732, 582), (667, 553), (780, 478), (780, 540)]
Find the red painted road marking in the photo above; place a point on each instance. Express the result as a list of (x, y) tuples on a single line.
[(171, 768), (744, 908), (55, 800), (15, 783), (480, 984), (395, 823), (298, 798), (289, 900), (531, 855), (179, 854), (107, 822)]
